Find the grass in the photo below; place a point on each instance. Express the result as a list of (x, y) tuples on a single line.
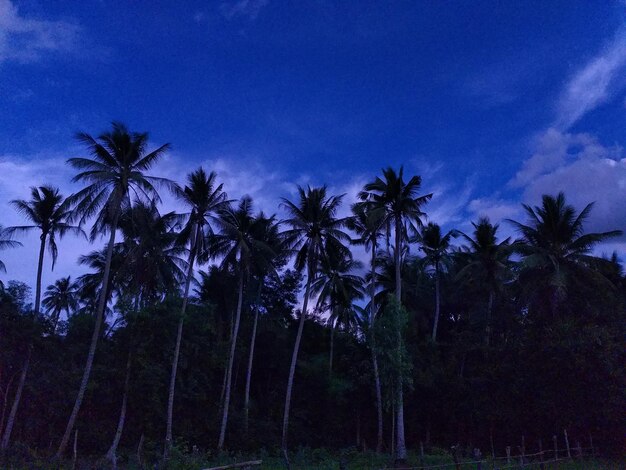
[(302, 459)]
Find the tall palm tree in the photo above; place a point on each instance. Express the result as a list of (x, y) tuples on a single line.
[(337, 288), (435, 247), (314, 228), (555, 248), (153, 267), (240, 247), (48, 213), (369, 231), (204, 198), (268, 232), (60, 296), (396, 204), (486, 261), (117, 167)]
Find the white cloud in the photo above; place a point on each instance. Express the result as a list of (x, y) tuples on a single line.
[(249, 9), (594, 84), (25, 39), (583, 168)]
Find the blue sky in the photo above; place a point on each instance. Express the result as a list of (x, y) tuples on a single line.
[(493, 103)]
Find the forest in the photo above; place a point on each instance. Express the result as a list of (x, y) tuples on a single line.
[(225, 330)]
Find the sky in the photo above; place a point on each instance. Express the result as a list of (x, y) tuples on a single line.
[(492, 103)]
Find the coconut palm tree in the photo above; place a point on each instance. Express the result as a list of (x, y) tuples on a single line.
[(204, 198), (555, 248), (369, 231), (153, 267), (314, 228), (60, 296), (337, 288), (117, 168), (396, 204), (48, 213), (485, 261), (268, 232), (6, 242), (240, 247), (435, 247)]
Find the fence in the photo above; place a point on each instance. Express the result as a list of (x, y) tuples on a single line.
[(543, 459)]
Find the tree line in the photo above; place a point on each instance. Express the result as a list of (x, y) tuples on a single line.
[(226, 327)]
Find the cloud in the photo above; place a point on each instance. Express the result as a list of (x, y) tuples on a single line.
[(26, 40), (584, 169), (249, 9), (594, 84)]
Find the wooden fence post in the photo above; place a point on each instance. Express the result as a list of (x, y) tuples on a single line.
[(569, 455), (556, 447), (508, 455)]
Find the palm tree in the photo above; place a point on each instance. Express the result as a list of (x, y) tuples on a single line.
[(152, 265), (60, 296), (486, 261), (268, 232), (555, 248), (117, 167), (6, 242), (435, 247), (240, 247), (48, 213), (369, 231), (336, 288), (204, 198), (396, 204), (315, 228)]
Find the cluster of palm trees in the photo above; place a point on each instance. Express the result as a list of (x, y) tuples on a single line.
[(159, 255)]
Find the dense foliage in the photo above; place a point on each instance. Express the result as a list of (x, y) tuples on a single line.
[(465, 338)]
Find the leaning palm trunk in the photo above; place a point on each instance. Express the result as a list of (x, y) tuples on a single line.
[(16, 400), (20, 386), (246, 401), (179, 336), (437, 302), (231, 360), (102, 300), (112, 452), (379, 398), (400, 443), (294, 359)]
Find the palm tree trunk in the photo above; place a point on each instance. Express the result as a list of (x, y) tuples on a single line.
[(294, 359), (400, 443), (332, 347), (246, 401), (379, 398), (102, 301), (42, 248), (20, 386), (231, 360), (179, 336), (16, 401), (488, 322), (437, 302), (111, 454)]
